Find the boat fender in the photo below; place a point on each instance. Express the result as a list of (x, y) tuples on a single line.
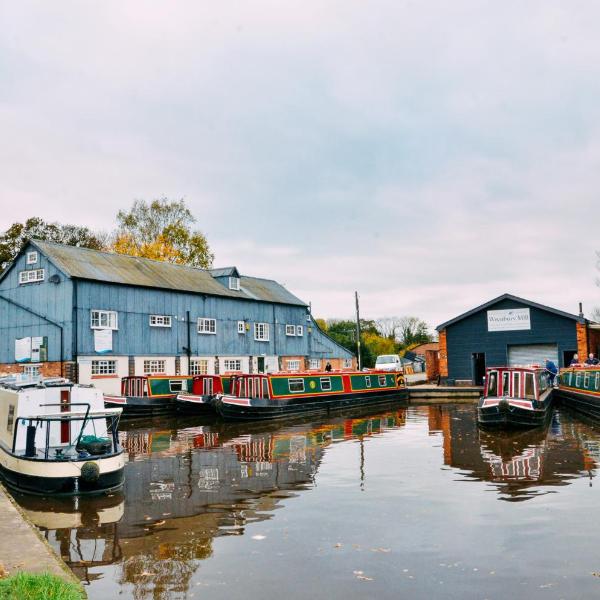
[(90, 471)]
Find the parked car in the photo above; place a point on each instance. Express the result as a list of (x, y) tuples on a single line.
[(388, 362)]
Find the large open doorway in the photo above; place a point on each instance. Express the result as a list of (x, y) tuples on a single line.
[(478, 361)]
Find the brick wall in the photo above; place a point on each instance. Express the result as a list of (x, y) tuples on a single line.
[(594, 341), (432, 364), (47, 369), (582, 341), (443, 357)]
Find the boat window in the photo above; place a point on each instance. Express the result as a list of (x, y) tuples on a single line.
[(368, 381), (516, 384), (597, 380), (11, 418), (296, 385), (382, 380), (265, 386), (242, 392), (250, 388), (177, 385), (325, 384), (543, 381), (505, 383), (578, 380), (257, 388), (586, 380), (529, 386), (492, 383), (208, 386)]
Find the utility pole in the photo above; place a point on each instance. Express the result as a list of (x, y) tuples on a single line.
[(357, 331)]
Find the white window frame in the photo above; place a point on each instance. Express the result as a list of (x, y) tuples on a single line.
[(290, 330), (296, 381), (177, 385), (347, 363), (325, 380), (207, 326), (232, 364), (104, 367), (31, 276), (382, 380), (261, 332), (314, 364), (32, 370), (160, 321), (32, 258), (291, 364), (241, 327), (299, 330), (150, 363), (368, 381), (198, 366), (112, 318), (234, 283)]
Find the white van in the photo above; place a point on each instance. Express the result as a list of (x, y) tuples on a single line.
[(388, 362)]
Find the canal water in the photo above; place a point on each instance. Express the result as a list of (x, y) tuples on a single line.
[(401, 503)]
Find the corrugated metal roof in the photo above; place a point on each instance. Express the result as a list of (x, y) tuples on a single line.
[(225, 272), (83, 263)]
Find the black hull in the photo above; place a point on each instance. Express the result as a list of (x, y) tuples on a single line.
[(62, 486), (504, 416), (586, 404), (187, 407), (136, 406), (274, 409)]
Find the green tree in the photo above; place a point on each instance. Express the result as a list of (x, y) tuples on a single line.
[(162, 230), (15, 237), (413, 330), (344, 333)]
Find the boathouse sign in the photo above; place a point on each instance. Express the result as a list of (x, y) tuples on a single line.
[(508, 320)]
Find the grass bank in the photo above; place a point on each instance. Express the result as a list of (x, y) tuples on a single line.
[(39, 586)]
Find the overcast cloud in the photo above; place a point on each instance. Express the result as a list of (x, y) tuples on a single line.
[(431, 154)]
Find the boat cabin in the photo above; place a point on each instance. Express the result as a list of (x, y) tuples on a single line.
[(155, 386), (516, 382)]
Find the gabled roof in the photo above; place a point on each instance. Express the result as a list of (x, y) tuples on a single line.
[(83, 263), (555, 311), (225, 272)]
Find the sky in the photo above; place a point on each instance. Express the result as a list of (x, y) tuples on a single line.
[(431, 155)]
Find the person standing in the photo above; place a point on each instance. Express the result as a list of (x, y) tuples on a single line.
[(328, 366), (552, 370)]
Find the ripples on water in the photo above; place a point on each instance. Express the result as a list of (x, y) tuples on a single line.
[(415, 503)]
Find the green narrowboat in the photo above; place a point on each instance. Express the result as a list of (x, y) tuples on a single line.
[(279, 395), (579, 388), (149, 395)]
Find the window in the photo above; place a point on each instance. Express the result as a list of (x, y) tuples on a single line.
[(234, 283), (32, 258), (347, 363), (505, 383), (516, 377), (207, 386), (314, 363), (382, 380), (293, 365), (11, 418), (325, 384), (296, 385), (207, 326), (529, 386), (597, 380), (586, 380), (290, 330), (31, 276), (104, 367), (160, 321), (241, 327), (154, 366), (177, 385), (578, 380), (232, 364), (261, 332), (368, 381), (104, 319), (31, 370), (299, 330), (199, 367), (493, 383)]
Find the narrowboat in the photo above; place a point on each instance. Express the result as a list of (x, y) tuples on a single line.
[(281, 395), (57, 438), (205, 389), (515, 397), (149, 395), (579, 388)]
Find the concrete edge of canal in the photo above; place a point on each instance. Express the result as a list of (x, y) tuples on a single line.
[(24, 548), (434, 394)]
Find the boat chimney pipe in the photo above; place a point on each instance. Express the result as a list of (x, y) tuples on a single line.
[(581, 310)]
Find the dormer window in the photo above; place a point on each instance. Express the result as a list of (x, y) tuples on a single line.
[(234, 283)]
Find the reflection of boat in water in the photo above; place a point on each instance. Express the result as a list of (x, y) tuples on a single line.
[(281, 395), (186, 486), (58, 439), (515, 397)]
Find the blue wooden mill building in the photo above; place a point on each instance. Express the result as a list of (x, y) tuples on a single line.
[(97, 317)]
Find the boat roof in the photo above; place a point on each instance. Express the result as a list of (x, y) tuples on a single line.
[(93, 414)]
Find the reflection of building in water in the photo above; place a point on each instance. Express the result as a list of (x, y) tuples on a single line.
[(185, 487), (522, 463)]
